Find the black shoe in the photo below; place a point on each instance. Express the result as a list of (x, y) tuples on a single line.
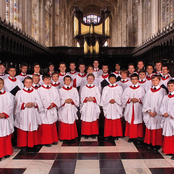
[(86, 137), (61, 140), (23, 149), (106, 138), (7, 156), (116, 138), (149, 147), (0, 159), (130, 140), (47, 145), (93, 137), (55, 143), (172, 157), (156, 148)]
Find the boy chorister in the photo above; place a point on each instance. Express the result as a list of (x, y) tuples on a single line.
[(103, 79), (62, 74), (165, 77), (112, 108), (23, 74), (124, 82), (149, 70), (73, 72), (131, 70), (2, 71), (90, 110), (97, 72), (27, 118), (140, 66), (51, 68), (69, 101), (79, 77), (36, 79), (158, 66), (117, 71), (55, 80), (143, 82), (36, 68), (151, 114), (167, 123), (132, 102), (12, 84), (51, 102), (6, 122)]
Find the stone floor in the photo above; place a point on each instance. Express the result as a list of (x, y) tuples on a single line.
[(91, 156)]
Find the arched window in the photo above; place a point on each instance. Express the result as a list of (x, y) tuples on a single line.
[(91, 19)]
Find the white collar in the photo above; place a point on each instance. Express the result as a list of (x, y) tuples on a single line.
[(55, 82), (165, 75), (23, 74), (67, 86), (124, 80), (37, 73), (105, 74), (27, 88), (2, 74), (2, 90), (90, 85), (135, 85), (172, 93), (140, 80), (96, 69), (113, 84), (47, 85), (35, 85), (157, 87), (12, 77)]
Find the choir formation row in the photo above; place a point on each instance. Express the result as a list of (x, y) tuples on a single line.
[(34, 103)]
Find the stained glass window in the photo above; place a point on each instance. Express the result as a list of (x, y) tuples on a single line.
[(91, 19)]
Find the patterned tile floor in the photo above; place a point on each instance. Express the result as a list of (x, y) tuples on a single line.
[(91, 156)]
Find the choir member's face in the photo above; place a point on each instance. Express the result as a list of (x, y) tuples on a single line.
[(158, 66), (1, 84), (165, 71), (169, 86), (90, 70), (149, 70), (90, 79), (67, 81), (37, 69), (72, 67), (62, 68), (36, 80), (142, 76), (82, 68), (47, 81), (51, 68), (96, 64), (24, 69), (131, 69), (123, 75), (55, 77), (28, 83), (2, 69), (140, 65), (105, 69), (134, 80), (12, 72), (155, 82), (117, 67), (112, 80)]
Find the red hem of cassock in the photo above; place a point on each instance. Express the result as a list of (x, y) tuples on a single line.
[(168, 145), (90, 128), (67, 131), (27, 138), (153, 137), (134, 130), (48, 133), (5, 146), (113, 128)]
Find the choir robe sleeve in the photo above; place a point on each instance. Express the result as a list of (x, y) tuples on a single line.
[(126, 97), (19, 104), (163, 108), (146, 103), (56, 100), (21, 85), (38, 101), (76, 98)]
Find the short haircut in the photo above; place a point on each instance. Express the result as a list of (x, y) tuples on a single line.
[(28, 78), (165, 65), (72, 63), (23, 64), (36, 75), (55, 73), (62, 63), (118, 63), (156, 76), (149, 65), (105, 65), (95, 60), (124, 71), (67, 76), (140, 61), (112, 75), (50, 63), (131, 64), (134, 75), (45, 76), (3, 64), (82, 64), (89, 67), (92, 75), (158, 62), (11, 66), (142, 71), (2, 80), (170, 82), (35, 65)]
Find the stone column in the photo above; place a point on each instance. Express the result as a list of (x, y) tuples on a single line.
[(140, 22), (130, 37), (42, 22), (154, 17), (3, 9)]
